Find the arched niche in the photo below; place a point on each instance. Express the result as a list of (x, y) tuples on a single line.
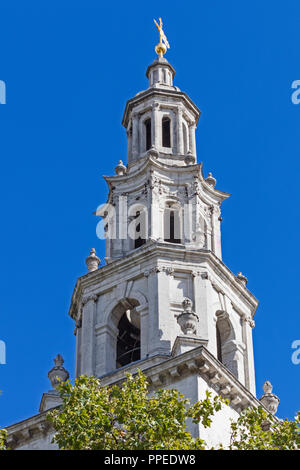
[(226, 342)]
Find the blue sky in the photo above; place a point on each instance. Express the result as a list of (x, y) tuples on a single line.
[(69, 67)]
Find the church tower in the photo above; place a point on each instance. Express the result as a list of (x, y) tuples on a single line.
[(164, 301)]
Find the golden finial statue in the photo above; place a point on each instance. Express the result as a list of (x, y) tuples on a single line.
[(163, 45)]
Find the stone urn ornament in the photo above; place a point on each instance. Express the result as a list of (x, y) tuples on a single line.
[(269, 400), (187, 320), (58, 373), (120, 169), (92, 261)]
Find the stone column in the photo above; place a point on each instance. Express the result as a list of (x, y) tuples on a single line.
[(129, 144), (188, 222), (154, 125), (179, 131), (108, 250), (192, 139), (250, 371), (77, 332), (135, 136), (154, 222), (142, 310), (106, 348), (159, 312), (202, 289), (88, 335), (216, 232)]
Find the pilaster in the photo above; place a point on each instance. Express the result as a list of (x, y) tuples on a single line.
[(249, 324), (88, 335), (202, 288)]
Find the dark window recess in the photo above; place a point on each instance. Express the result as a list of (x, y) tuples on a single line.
[(139, 241), (219, 345), (148, 133), (166, 132), (128, 342), (172, 226)]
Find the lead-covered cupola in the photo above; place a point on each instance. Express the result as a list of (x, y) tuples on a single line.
[(161, 120)]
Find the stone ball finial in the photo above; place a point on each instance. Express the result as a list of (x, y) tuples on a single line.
[(240, 277), (190, 159), (269, 400), (211, 180), (92, 261), (58, 373), (187, 305), (120, 168)]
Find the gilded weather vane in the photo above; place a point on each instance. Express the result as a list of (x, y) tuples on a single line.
[(163, 45)]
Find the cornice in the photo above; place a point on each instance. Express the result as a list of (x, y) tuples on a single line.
[(149, 161), (162, 371), (159, 92), (35, 426), (198, 361), (149, 253)]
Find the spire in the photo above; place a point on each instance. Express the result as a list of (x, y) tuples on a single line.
[(161, 121), (161, 73), (163, 45)]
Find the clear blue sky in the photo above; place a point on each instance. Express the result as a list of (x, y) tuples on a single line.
[(69, 67)]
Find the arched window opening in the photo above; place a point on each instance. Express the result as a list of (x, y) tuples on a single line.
[(185, 139), (172, 232), (129, 339), (147, 124), (166, 132), (219, 344), (140, 229)]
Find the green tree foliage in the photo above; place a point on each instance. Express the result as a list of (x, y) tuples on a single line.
[(3, 434), (127, 418), (255, 429)]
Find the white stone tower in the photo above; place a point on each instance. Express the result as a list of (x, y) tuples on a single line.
[(164, 302), (165, 294)]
